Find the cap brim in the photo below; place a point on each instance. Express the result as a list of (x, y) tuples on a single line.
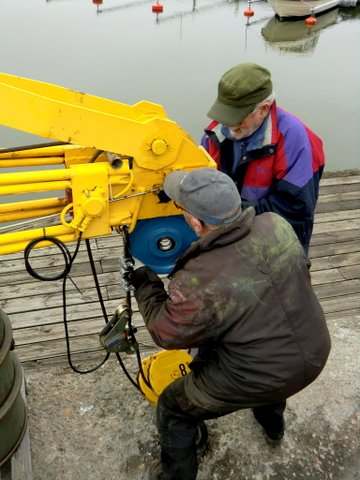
[(172, 184), (228, 115)]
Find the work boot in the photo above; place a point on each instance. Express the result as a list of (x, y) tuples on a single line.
[(273, 427), (154, 471), (201, 440)]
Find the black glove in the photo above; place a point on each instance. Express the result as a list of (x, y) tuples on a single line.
[(140, 276)]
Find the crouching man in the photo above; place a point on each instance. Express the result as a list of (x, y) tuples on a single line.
[(242, 295)]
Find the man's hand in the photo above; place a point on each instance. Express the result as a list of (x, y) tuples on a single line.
[(140, 276)]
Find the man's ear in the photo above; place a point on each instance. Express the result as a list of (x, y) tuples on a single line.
[(196, 224), (265, 108)]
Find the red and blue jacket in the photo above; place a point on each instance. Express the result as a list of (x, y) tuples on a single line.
[(277, 169)]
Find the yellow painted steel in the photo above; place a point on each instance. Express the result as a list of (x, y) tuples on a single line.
[(108, 175), (161, 369), (32, 205), (31, 162)]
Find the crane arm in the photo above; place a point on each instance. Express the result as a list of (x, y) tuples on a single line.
[(109, 166)]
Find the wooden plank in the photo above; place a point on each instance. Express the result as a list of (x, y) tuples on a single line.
[(110, 241), (338, 215), (353, 271), (337, 289), (45, 252), (57, 260), (339, 180), (22, 276), (323, 263), (326, 276), (55, 331), (339, 188), (340, 200), (337, 205), (333, 249), (334, 237), (333, 261), (37, 287), (339, 196), (346, 259), (328, 227), (86, 343), (83, 311), (40, 302), (108, 262), (344, 316), (340, 304)]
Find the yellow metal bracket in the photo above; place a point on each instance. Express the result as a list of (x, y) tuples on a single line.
[(108, 175)]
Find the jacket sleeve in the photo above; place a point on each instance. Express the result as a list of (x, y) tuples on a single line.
[(294, 193), (212, 147), (178, 319)]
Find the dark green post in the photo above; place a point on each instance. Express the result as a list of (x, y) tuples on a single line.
[(12, 406)]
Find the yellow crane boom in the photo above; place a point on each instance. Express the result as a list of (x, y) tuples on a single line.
[(109, 171)]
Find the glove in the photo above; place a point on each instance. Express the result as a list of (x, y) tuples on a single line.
[(140, 276)]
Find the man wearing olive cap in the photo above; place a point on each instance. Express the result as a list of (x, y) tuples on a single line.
[(275, 160), (241, 294)]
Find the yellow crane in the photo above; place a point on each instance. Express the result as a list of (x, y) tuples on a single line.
[(109, 169), (104, 172)]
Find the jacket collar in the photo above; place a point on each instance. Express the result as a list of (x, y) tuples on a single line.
[(267, 129), (218, 238)]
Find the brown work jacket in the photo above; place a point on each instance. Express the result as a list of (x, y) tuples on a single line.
[(241, 294)]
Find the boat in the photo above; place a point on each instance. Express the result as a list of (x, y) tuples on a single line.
[(295, 36), (287, 9)]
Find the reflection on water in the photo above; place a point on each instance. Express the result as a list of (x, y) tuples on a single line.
[(191, 7), (121, 50), (297, 37)]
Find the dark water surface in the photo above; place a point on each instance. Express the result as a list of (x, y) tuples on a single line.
[(125, 54)]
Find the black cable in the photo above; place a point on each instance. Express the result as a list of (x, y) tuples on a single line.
[(129, 265), (63, 249), (67, 336), (101, 300), (69, 260)]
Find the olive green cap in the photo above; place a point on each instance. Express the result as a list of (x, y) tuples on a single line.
[(240, 89)]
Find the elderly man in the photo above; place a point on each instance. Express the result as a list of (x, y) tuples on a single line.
[(275, 160), (242, 295)]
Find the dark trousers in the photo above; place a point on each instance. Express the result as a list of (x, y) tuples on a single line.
[(177, 422)]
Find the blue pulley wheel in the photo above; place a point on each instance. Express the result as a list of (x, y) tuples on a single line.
[(159, 242)]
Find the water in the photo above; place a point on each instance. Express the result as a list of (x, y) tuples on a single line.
[(125, 54)]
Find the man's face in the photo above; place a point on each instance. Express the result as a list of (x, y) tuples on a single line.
[(250, 123)]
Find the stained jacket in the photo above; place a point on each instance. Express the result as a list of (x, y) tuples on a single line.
[(242, 295), (280, 172)]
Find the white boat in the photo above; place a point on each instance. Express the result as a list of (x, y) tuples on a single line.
[(302, 8), (295, 36)]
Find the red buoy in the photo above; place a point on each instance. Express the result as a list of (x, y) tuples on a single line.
[(310, 21), (249, 12), (97, 2), (157, 8)]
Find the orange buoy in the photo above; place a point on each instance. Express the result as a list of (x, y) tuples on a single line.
[(157, 8), (310, 21), (249, 12)]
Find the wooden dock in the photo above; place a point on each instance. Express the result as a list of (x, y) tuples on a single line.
[(35, 308)]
